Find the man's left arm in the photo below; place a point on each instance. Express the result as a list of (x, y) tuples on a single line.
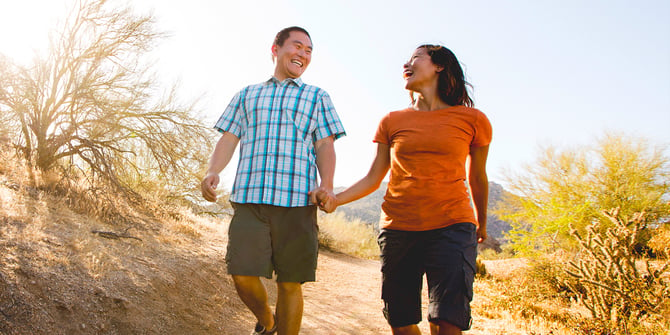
[(325, 162), (329, 128)]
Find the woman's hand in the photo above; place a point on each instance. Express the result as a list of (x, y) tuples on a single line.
[(325, 199)]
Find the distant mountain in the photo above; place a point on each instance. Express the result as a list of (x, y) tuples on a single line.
[(496, 227), (368, 208)]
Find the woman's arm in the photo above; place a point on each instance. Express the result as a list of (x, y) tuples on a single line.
[(365, 186), (479, 185)]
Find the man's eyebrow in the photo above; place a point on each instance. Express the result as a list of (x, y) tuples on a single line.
[(299, 42)]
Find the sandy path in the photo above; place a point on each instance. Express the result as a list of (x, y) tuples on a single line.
[(345, 299)]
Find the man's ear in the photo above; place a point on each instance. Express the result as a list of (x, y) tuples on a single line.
[(273, 50)]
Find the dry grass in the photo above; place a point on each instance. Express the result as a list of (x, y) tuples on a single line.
[(660, 242), (532, 295), (510, 293), (352, 237)]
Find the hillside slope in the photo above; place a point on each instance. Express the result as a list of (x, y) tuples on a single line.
[(58, 277)]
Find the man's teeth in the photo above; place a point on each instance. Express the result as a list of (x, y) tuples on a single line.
[(296, 62)]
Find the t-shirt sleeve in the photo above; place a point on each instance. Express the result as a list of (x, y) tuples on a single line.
[(328, 122), (382, 133), (483, 131), (233, 119)]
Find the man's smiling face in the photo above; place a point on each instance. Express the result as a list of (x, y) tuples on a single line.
[(293, 57)]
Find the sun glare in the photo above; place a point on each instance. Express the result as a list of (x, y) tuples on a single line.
[(25, 26)]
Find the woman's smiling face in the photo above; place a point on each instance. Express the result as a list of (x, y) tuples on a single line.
[(420, 70)]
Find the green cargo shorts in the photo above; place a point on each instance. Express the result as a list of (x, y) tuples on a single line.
[(263, 239)]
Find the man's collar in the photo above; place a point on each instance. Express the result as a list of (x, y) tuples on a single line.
[(295, 81)]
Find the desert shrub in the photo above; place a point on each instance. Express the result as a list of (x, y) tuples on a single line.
[(522, 292), (480, 269), (618, 287), (490, 254), (349, 236), (569, 187), (547, 274), (660, 242)]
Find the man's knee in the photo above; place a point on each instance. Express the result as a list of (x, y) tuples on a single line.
[(245, 282), (289, 287), (445, 327), (406, 330)]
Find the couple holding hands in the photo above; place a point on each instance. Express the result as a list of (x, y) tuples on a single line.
[(434, 210)]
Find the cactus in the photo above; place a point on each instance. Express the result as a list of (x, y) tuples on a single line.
[(618, 286)]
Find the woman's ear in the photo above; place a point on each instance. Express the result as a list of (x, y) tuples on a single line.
[(439, 68)]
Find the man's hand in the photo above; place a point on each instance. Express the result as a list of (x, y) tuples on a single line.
[(323, 198), (223, 151), (208, 186)]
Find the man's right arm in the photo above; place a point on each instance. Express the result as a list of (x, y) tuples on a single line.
[(221, 156)]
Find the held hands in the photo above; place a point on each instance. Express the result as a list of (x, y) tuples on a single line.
[(325, 199)]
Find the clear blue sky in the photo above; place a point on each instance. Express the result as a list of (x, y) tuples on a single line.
[(545, 72)]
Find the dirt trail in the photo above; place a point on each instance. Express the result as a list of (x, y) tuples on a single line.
[(345, 299)]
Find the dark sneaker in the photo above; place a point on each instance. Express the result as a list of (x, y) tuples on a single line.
[(260, 330)]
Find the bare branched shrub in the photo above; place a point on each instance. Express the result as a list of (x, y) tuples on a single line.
[(90, 109), (619, 287)]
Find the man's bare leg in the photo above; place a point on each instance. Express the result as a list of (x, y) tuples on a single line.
[(444, 328), (289, 308), (253, 294), (407, 330)]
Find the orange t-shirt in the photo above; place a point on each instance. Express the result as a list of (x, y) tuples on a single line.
[(428, 187)]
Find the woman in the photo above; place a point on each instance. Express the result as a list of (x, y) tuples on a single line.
[(434, 149)]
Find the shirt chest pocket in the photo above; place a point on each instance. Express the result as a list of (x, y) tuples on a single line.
[(300, 116)]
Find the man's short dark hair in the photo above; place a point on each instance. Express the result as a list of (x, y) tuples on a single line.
[(283, 34)]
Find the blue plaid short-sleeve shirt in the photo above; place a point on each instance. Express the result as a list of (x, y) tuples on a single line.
[(277, 124)]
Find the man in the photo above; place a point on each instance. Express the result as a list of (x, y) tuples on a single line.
[(286, 130)]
